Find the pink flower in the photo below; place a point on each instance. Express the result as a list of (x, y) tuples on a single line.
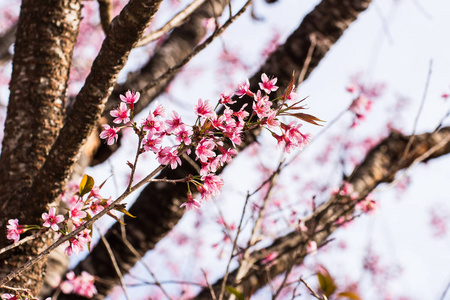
[(130, 98), (152, 142), (51, 219), (14, 230), (166, 157), (82, 285), (183, 135), (204, 150), (76, 213), (262, 105), (244, 89), (159, 110), (270, 257), (311, 248), (95, 193), (368, 204), (268, 84), (242, 114), (110, 134), (10, 297), (191, 203), (204, 109), (226, 99), (74, 246), (152, 125), (121, 114), (212, 183), (173, 123)]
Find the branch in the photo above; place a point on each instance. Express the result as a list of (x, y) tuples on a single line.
[(125, 31), (174, 22), (174, 50), (377, 168), (157, 207)]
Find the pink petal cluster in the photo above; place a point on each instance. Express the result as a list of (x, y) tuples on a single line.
[(82, 285), (130, 98), (14, 230), (268, 84), (110, 134), (51, 219)]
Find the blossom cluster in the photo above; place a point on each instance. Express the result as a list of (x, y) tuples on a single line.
[(362, 103), (83, 201), (212, 132), (82, 285)]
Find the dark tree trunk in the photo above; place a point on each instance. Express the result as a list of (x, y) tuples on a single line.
[(46, 35)]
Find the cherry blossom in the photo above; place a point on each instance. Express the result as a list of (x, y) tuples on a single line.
[(152, 125), (121, 114), (173, 123), (110, 134), (76, 212), (14, 230), (130, 98), (51, 219), (82, 285), (191, 203), (204, 109), (244, 89), (268, 84)]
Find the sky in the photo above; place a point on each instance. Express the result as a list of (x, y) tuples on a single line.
[(394, 43)]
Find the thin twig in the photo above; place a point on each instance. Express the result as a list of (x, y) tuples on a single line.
[(114, 262), (136, 253), (416, 121), (308, 58), (211, 290), (244, 263), (79, 229), (225, 277), (174, 22), (313, 293), (196, 50), (21, 242)]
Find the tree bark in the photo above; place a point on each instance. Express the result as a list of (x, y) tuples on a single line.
[(379, 166), (327, 22), (46, 35), (47, 166)]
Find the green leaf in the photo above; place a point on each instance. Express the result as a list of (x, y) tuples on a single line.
[(307, 118), (326, 282), (86, 185), (121, 208), (235, 292), (350, 295)]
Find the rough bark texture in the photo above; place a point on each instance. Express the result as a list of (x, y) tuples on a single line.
[(379, 166), (46, 35), (124, 32), (51, 160), (327, 21)]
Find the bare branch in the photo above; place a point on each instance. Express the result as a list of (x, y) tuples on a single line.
[(174, 22)]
